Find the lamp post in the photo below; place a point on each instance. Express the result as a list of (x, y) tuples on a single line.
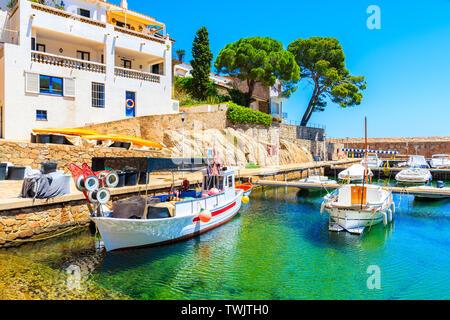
[(183, 118)]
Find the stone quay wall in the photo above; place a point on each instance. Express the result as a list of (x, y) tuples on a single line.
[(427, 146), (26, 154)]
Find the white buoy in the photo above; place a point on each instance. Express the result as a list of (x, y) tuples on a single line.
[(385, 219), (390, 215)]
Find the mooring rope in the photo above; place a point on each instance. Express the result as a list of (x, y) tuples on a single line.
[(40, 239)]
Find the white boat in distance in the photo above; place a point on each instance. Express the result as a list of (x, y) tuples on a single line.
[(355, 207), (354, 173), (175, 219), (440, 161), (429, 192), (416, 162), (318, 180), (372, 161), (414, 175)]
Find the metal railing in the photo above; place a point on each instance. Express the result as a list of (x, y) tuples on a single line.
[(135, 74), (139, 34), (67, 62)]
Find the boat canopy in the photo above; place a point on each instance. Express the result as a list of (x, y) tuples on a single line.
[(151, 164), (369, 151)]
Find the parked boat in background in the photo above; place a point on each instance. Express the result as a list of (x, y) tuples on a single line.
[(246, 187), (318, 180), (431, 192), (416, 162), (354, 173), (414, 176), (440, 161), (372, 161)]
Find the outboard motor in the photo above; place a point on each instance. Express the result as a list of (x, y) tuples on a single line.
[(440, 184)]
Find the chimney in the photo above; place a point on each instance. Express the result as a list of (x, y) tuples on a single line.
[(124, 4)]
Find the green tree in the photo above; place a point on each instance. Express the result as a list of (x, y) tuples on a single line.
[(201, 65), (180, 54), (323, 61), (257, 59)]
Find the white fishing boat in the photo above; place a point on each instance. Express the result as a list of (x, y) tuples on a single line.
[(168, 219), (372, 161), (440, 161), (354, 173), (354, 207), (416, 162), (317, 180), (414, 176)]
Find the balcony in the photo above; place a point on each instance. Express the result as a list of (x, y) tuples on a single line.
[(64, 14), (139, 34), (67, 62), (138, 75)]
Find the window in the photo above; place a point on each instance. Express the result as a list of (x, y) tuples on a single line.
[(41, 115), (122, 25), (155, 69), (51, 85), (84, 13), (40, 47), (98, 95), (83, 55), (230, 181), (33, 43), (126, 64)]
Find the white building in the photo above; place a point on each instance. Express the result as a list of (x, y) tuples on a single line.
[(89, 62)]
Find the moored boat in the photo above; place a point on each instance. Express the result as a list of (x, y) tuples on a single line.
[(354, 173), (169, 219), (355, 207), (414, 176), (440, 161), (317, 180), (246, 187)]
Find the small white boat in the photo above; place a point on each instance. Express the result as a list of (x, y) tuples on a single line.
[(431, 192), (354, 173), (417, 162), (355, 207), (372, 161), (174, 219), (440, 161), (318, 180), (414, 176)]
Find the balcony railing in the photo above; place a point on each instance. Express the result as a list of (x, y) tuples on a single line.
[(139, 34), (67, 62), (139, 75), (64, 14)]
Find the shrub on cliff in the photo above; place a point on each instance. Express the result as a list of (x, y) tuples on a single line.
[(244, 115)]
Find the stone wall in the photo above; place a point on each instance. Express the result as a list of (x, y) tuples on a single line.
[(154, 127), (427, 147), (33, 154)]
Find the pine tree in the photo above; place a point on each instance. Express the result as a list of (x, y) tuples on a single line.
[(201, 65)]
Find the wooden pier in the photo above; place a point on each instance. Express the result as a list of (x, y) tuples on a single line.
[(438, 193)]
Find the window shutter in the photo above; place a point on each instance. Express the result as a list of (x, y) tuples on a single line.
[(69, 87), (31, 82)]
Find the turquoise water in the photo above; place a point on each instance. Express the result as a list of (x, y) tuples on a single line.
[(279, 247)]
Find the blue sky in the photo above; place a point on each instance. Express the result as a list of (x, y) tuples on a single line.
[(406, 63)]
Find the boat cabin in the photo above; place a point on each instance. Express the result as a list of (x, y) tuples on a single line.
[(357, 195)]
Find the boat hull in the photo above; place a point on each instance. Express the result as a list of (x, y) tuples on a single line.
[(120, 234), (354, 219)]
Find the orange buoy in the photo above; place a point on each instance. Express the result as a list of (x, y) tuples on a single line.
[(205, 216), (245, 200)]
